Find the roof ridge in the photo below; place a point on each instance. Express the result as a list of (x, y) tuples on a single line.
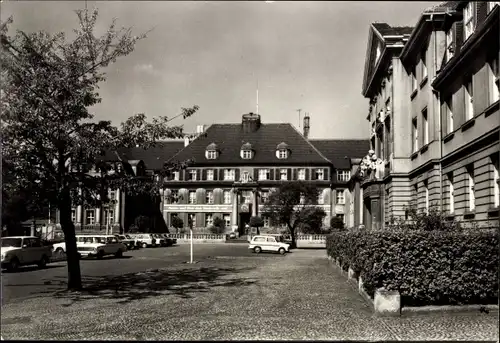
[(305, 139)]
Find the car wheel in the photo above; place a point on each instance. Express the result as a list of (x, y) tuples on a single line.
[(144, 245), (257, 250), (13, 265), (119, 253), (100, 254), (43, 262), (59, 250), (282, 251)]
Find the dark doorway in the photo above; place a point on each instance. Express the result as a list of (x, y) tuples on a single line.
[(244, 220)]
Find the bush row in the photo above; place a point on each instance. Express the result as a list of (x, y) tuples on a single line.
[(426, 267)]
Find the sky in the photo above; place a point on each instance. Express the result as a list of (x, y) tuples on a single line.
[(299, 55)]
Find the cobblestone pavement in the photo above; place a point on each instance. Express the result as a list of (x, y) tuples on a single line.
[(230, 295)]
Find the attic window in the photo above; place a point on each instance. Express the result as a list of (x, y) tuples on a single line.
[(246, 152), (211, 152), (282, 151)]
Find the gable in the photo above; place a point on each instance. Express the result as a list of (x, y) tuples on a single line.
[(375, 42)]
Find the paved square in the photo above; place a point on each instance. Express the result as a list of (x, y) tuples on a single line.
[(229, 294)]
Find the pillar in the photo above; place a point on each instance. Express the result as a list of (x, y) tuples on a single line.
[(97, 215), (79, 214), (117, 207), (254, 203), (234, 214)]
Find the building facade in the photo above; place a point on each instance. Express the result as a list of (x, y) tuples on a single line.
[(434, 115)]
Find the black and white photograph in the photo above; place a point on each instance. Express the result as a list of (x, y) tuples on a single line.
[(250, 170)]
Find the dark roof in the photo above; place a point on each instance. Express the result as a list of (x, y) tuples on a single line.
[(339, 151), (153, 158), (387, 30), (230, 137)]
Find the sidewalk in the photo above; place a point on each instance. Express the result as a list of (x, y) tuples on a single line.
[(297, 296)]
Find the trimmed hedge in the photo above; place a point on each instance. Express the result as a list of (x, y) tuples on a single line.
[(426, 267)]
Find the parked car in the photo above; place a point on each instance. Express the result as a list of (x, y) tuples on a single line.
[(146, 239), (99, 246), (24, 250), (160, 239), (269, 243), (170, 241), (127, 240)]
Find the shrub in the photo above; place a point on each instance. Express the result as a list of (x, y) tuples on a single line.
[(426, 267), (312, 221), (177, 223), (337, 224), (218, 227), (142, 223)]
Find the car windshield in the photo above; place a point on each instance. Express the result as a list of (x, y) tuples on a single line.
[(122, 237), (12, 242)]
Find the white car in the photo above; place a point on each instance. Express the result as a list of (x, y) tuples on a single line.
[(146, 239), (268, 243), (99, 246), (24, 250)]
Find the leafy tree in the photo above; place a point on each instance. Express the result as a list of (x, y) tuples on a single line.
[(49, 140), (313, 220), (289, 205), (143, 224), (219, 226), (337, 224), (256, 221), (177, 223)]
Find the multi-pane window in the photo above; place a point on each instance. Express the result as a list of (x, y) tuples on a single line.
[(246, 154), (210, 174), (174, 196), (247, 197), (423, 64), (415, 135), (229, 174), (449, 115), (469, 96), (73, 215), (451, 193), (210, 197), (192, 175), (283, 153), (245, 176), (301, 174), (340, 196), (227, 197), (469, 19), (425, 127), (470, 188), (283, 174), (494, 80), (109, 216), (227, 220), (90, 217), (209, 219), (264, 196), (176, 176), (343, 175), (211, 154), (450, 48), (320, 174), (264, 174), (192, 197), (496, 180)]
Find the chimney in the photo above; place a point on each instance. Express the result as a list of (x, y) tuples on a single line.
[(306, 125), (250, 122)]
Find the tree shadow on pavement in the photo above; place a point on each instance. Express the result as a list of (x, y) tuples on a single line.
[(137, 286)]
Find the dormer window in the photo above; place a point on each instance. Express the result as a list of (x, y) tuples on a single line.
[(469, 19), (449, 45), (246, 152), (211, 152), (282, 151)]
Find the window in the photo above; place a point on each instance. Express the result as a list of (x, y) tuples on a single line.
[(176, 176), (320, 199), (209, 219), (492, 4), (340, 196), (174, 196), (494, 81), (282, 153), (247, 197), (245, 176), (414, 84), (89, 217), (246, 154), (109, 216), (210, 174), (496, 181), (192, 220), (415, 135), (450, 49), (426, 187), (469, 95), (271, 240), (210, 197), (73, 215), (192, 197), (264, 196), (426, 126), (229, 174), (227, 220), (343, 175), (267, 221), (320, 174), (423, 64), (451, 193), (192, 175), (302, 174), (469, 19), (449, 115), (211, 154), (470, 188), (264, 174), (283, 174), (112, 195), (227, 197)]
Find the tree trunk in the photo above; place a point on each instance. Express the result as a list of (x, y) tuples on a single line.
[(74, 274), (293, 245)]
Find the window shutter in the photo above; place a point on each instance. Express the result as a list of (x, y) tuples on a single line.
[(255, 174), (199, 174), (216, 174), (307, 173), (221, 174), (237, 174), (313, 174), (459, 107), (203, 174), (289, 174), (481, 12), (326, 174), (277, 174), (181, 174), (458, 36), (295, 174), (271, 174), (480, 96)]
